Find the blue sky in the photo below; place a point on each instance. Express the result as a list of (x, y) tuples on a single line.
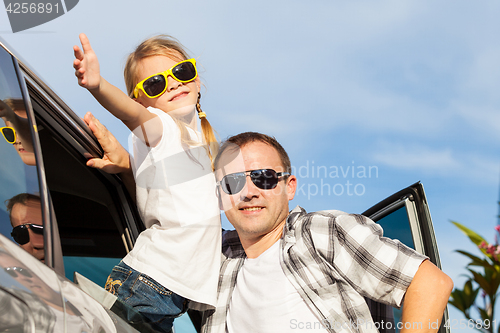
[(408, 88)]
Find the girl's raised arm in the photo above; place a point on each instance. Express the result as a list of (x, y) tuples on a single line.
[(86, 65)]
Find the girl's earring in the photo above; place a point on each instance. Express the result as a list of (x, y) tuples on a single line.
[(201, 114)]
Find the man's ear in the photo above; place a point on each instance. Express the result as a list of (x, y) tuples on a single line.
[(291, 186)]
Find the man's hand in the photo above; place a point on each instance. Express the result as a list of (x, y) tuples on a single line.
[(86, 65)]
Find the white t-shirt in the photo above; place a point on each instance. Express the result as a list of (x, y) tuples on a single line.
[(264, 300), (181, 247)]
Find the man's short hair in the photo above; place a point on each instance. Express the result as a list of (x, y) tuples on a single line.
[(21, 198), (243, 139)]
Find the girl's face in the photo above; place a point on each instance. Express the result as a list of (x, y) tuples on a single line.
[(177, 95)]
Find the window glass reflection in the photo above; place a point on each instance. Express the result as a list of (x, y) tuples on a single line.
[(39, 287), (20, 209), (397, 226)]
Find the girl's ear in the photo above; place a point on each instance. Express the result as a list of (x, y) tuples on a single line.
[(198, 84)]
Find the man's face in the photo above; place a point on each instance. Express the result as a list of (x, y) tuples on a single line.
[(29, 213), (255, 212)]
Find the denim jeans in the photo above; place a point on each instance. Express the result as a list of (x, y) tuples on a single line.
[(155, 302)]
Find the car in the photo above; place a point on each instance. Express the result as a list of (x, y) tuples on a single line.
[(62, 222), (59, 216)]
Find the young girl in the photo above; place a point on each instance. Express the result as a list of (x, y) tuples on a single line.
[(176, 259)]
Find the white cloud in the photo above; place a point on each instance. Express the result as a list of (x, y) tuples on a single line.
[(439, 162)]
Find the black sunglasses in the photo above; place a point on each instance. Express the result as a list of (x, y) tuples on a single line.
[(13, 271), (21, 233), (265, 179)]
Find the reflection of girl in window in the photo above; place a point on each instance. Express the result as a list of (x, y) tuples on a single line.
[(13, 113)]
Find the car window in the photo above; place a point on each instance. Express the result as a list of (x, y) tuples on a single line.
[(397, 226), (405, 216), (94, 235), (20, 206)]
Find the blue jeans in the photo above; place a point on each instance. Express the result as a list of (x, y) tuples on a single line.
[(155, 302)]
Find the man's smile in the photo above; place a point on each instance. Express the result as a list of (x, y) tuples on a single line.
[(251, 209)]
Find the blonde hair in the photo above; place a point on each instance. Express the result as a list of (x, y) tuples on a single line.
[(16, 104), (164, 45)]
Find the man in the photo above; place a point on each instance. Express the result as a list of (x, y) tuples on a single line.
[(26, 219), (282, 269)]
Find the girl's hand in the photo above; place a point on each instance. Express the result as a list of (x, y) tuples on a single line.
[(116, 158), (86, 65)]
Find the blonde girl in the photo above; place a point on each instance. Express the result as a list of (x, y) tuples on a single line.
[(175, 261)]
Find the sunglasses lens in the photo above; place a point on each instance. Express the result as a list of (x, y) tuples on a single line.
[(232, 184), (265, 179), (9, 134), (12, 271), (23, 271), (21, 234), (184, 72), (154, 85), (37, 229)]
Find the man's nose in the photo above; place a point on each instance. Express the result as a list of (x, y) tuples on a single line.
[(250, 190), (36, 240)]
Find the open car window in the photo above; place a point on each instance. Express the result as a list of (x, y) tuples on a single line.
[(405, 216)]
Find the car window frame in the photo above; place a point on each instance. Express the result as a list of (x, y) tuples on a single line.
[(51, 235), (414, 200)]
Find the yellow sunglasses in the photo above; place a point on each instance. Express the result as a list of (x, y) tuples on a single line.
[(9, 134), (155, 85)]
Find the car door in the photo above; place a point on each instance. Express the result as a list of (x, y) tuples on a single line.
[(405, 216), (89, 220), (57, 216)]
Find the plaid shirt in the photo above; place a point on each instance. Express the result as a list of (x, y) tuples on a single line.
[(334, 260)]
